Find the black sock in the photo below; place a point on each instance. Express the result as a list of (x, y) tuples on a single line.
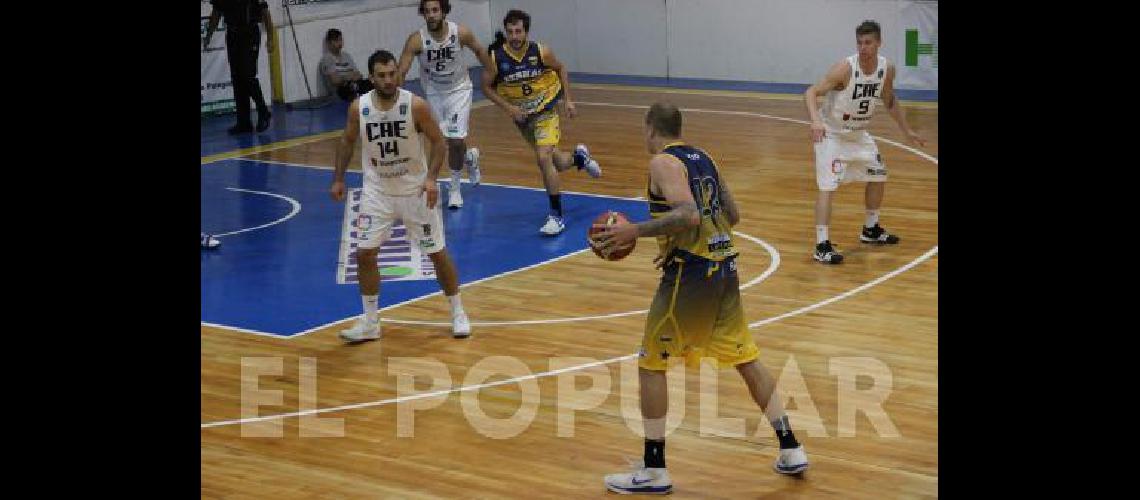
[(655, 453), (556, 204), (784, 433)]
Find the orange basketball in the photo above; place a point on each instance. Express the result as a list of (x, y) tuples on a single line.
[(609, 218)]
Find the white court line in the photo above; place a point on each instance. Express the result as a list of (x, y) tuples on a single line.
[(802, 310), (295, 211), (242, 330), (922, 258), (772, 266)]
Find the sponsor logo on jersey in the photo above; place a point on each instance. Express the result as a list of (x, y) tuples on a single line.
[(364, 111), (403, 109)]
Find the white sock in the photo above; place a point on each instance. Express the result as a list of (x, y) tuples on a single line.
[(820, 233), (655, 428), (370, 307), (455, 178), (456, 305), (872, 218)]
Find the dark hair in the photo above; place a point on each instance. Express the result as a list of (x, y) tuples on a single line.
[(869, 27), (332, 34), (514, 16), (444, 5), (500, 39), (379, 57), (665, 119)]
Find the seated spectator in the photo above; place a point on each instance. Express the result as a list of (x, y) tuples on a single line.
[(339, 70)]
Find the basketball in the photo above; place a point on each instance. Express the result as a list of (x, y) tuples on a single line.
[(608, 218)]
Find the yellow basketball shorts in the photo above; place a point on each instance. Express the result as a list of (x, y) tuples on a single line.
[(697, 313), (541, 129)]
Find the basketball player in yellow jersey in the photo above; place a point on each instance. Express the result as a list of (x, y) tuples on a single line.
[(696, 312), (526, 80)]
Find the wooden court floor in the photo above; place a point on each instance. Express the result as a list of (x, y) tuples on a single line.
[(817, 323)]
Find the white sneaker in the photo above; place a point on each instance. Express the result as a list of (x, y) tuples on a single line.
[(642, 480), (583, 159), (471, 161), (209, 241), (460, 326), (454, 196), (792, 461), (553, 226), (361, 330)]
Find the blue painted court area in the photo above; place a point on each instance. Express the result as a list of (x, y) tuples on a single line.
[(282, 279)]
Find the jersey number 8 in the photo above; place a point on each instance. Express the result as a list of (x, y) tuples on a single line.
[(527, 90)]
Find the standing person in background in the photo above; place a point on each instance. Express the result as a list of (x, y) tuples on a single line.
[(242, 40)]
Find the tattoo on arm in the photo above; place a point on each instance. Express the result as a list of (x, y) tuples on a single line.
[(678, 219), (728, 204)]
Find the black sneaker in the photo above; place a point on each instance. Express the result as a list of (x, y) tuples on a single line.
[(263, 121), (878, 235), (827, 254)]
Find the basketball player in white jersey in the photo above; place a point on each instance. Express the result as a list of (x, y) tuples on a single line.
[(844, 151), (443, 75), (398, 184)]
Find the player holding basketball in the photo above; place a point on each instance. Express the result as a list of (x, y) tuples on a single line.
[(526, 80), (697, 311), (844, 151), (398, 184), (446, 84)]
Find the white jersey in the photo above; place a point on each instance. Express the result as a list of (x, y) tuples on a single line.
[(850, 109), (391, 154), (442, 69)]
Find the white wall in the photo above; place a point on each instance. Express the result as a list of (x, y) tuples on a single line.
[(625, 37), (771, 40), (783, 41), (365, 33)]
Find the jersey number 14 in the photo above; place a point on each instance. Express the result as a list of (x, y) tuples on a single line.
[(388, 148)]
